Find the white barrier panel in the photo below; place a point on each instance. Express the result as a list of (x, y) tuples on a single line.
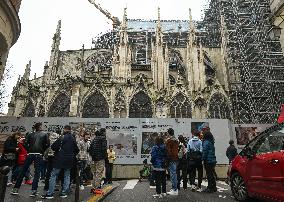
[(132, 138)]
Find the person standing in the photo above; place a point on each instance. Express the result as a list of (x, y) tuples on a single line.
[(83, 146), (98, 152), (172, 159), (232, 151), (109, 165), (182, 163), (49, 156), (194, 148), (36, 143), (9, 154), (209, 159), (21, 157), (158, 158), (65, 152)]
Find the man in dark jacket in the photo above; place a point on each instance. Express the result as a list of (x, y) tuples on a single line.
[(98, 152), (231, 152), (65, 149), (36, 144)]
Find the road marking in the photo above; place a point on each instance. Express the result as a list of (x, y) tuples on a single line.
[(221, 189), (220, 196), (223, 183), (130, 184)]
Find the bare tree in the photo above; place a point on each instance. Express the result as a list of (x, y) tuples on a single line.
[(5, 92)]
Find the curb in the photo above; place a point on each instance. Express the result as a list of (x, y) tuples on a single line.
[(102, 197)]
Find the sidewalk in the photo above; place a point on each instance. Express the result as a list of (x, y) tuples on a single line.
[(85, 194)]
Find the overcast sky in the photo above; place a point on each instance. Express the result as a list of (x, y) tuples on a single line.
[(81, 22)]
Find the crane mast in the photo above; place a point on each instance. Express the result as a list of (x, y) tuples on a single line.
[(115, 21)]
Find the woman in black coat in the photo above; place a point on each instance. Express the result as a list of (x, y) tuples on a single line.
[(9, 154)]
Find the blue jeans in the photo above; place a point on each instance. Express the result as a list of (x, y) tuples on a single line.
[(173, 174), (52, 180), (36, 158), (17, 171)]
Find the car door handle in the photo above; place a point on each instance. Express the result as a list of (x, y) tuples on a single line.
[(274, 161)]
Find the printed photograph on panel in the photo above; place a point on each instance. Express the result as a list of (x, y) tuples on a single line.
[(79, 127), (124, 143), (245, 134), (199, 127), (148, 141)]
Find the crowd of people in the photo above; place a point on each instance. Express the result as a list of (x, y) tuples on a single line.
[(182, 159), (58, 157)]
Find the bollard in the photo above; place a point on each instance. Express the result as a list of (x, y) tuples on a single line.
[(77, 190), (3, 181)]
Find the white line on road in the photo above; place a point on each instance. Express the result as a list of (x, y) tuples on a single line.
[(130, 184), (223, 183)]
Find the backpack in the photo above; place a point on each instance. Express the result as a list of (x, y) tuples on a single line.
[(172, 147), (180, 151)]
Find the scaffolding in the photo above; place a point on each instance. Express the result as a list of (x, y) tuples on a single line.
[(255, 61)]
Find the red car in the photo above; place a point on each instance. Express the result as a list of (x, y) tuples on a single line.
[(258, 171)]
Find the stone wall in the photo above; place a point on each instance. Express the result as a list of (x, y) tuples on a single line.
[(277, 9), (9, 29)]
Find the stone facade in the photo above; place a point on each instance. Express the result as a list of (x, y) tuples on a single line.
[(10, 28), (144, 69), (277, 8)]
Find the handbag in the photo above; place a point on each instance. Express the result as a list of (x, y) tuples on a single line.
[(9, 156)]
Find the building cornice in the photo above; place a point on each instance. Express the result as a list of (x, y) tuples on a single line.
[(13, 16), (276, 10)]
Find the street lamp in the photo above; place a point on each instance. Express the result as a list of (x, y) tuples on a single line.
[(274, 32)]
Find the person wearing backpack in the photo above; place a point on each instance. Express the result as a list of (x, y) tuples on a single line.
[(182, 163), (172, 160), (194, 148), (98, 152)]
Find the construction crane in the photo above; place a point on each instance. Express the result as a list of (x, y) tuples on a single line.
[(115, 21)]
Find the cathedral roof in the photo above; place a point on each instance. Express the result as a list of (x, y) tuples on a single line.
[(138, 25)]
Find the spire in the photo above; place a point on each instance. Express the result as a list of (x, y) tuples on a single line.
[(27, 70), (35, 76), (57, 37), (124, 22), (159, 26), (46, 65), (191, 27), (58, 30)]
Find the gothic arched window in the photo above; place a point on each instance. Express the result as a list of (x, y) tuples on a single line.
[(140, 106), (60, 106), (180, 107), (29, 110), (96, 106), (219, 107)]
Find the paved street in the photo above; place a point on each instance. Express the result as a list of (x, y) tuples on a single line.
[(26, 190), (133, 190)]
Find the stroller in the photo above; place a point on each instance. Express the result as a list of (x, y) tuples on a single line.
[(146, 171)]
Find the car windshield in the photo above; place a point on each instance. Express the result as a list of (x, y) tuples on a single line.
[(269, 143), (270, 140)]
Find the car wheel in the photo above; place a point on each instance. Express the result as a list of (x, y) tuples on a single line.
[(238, 187)]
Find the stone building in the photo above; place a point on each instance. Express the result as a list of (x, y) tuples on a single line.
[(277, 17), (147, 68), (10, 28)]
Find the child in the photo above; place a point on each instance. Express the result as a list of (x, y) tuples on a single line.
[(146, 171)]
